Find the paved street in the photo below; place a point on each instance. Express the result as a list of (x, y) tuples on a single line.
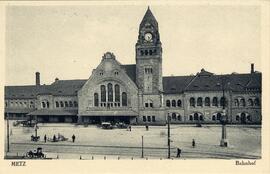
[(93, 142)]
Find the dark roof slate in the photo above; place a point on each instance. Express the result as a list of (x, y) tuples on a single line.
[(24, 92), (203, 81), (175, 84), (149, 17), (131, 71)]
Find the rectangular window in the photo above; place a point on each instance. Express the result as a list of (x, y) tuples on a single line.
[(151, 105), (148, 118), (154, 118), (146, 105), (144, 119)]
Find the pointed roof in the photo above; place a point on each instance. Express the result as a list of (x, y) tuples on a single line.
[(149, 17)]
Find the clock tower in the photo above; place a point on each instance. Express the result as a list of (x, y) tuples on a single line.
[(149, 56)]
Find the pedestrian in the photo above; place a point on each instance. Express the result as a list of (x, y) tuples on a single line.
[(129, 128), (45, 138), (73, 138), (147, 128), (193, 143), (178, 153), (54, 138)]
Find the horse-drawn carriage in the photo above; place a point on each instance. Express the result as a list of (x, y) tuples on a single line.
[(35, 154)]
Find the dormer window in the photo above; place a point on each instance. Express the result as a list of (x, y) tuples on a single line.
[(116, 73)]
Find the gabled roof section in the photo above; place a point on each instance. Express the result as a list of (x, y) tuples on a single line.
[(131, 71), (149, 17), (175, 84), (66, 87), (233, 82), (205, 73), (24, 92)]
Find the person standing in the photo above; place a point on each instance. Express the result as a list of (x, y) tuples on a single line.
[(45, 138), (129, 128), (54, 138), (178, 153), (73, 138), (193, 143)]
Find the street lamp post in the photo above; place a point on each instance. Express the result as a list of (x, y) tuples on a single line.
[(7, 132), (169, 134), (223, 120), (142, 148)]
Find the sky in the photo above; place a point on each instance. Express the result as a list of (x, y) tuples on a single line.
[(67, 42)]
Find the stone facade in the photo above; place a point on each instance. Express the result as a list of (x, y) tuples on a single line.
[(139, 94)]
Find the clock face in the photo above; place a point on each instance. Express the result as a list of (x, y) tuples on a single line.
[(148, 37)]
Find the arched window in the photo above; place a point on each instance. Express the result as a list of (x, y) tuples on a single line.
[(179, 103), (124, 99), (154, 118), (199, 101), (70, 104), (96, 99), (75, 104), (141, 52), (257, 102), (192, 101), (179, 118), (173, 116), (249, 118), (214, 118), (150, 52), (242, 102), (168, 103), (207, 101), (110, 93), (190, 118), (250, 102), (57, 104), (196, 116), (222, 101), (173, 103), (237, 118), (61, 104), (66, 104), (43, 105), (117, 93), (236, 102), (144, 118), (47, 104), (103, 93), (215, 101), (32, 105), (146, 52), (201, 118)]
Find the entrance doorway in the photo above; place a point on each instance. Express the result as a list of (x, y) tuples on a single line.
[(243, 118)]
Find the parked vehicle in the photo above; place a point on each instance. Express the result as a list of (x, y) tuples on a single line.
[(28, 123), (121, 125), (35, 138), (106, 125)]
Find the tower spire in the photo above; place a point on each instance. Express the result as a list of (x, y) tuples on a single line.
[(149, 17)]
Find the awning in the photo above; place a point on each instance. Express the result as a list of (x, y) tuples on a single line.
[(54, 112), (18, 110), (109, 113)]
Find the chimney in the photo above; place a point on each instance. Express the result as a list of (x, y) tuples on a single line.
[(37, 78), (252, 68), (56, 79)]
